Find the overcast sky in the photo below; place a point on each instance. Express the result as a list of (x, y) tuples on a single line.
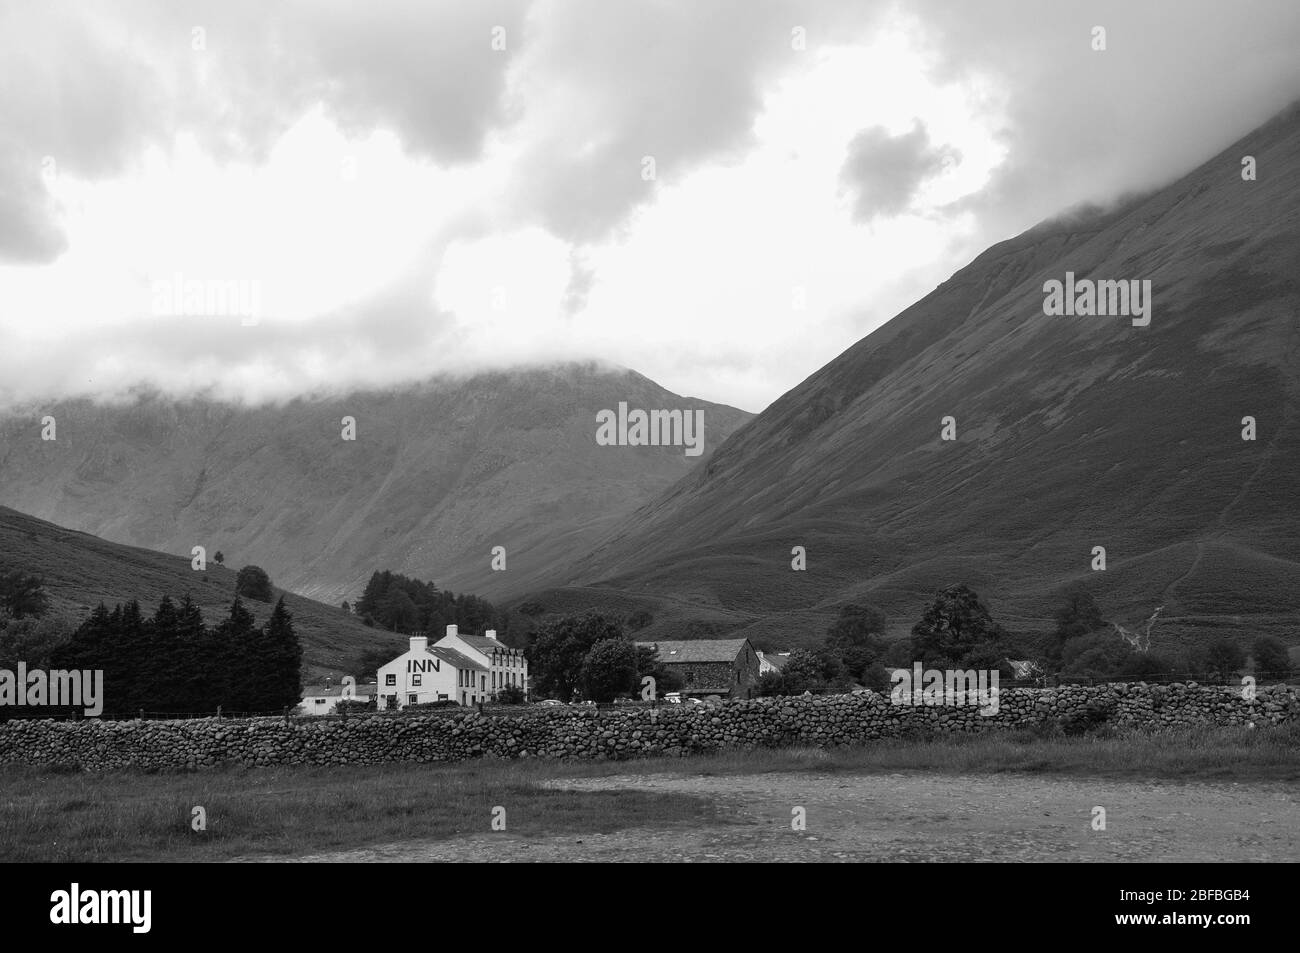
[(413, 187)]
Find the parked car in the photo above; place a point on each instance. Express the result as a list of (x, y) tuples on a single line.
[(673, 698), (550, 701)]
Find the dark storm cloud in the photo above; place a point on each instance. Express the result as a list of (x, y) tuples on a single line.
[(584, 90), (28, 234), (425, 69), (86, 115), (91, 87), (884, 171), (1176, 82), (681, 83)]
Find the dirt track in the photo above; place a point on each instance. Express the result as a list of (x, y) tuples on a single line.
[(914, 817)]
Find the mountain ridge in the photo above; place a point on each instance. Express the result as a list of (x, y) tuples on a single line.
[(1071, 432), (440, 473)]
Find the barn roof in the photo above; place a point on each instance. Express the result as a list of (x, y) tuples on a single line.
[(698, 650)]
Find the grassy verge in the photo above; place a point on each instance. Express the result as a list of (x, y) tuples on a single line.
[(124, 816), (55, 815), (1209, 754)]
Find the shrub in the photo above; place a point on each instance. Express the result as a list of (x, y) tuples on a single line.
[(510, 695), (22, 594), (352, 706), (876, 677), (1223, 659), (609, 669), (1270, 655), (858, 625), (429, 706), (254, 583), (32, 639)]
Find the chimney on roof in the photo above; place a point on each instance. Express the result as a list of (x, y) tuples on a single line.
[(492, 634), (419, 643), (451, 630)]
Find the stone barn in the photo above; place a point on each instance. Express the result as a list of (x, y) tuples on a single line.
[(726, 667)]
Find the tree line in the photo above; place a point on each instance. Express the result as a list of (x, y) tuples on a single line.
[(173, 663), (591, 656), (957, 631), (402, 604)]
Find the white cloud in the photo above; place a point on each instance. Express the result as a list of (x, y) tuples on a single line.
[(381, 175)]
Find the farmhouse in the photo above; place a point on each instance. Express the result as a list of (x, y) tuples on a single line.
[(727, 667), (323, 699), (506, 666), (431, 674)]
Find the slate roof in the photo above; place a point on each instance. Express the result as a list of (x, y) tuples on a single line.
[(698, 650), (485, 645), (454, 658)]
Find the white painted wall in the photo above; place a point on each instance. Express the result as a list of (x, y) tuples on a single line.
[(506, 666), (419, 677)]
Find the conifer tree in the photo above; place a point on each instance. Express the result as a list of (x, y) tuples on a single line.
[(283, 652), (234, 647)]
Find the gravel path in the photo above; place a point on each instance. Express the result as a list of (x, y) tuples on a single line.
[(912, 817)]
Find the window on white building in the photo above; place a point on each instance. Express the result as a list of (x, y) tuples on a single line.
[(417, 680), (390, 679)]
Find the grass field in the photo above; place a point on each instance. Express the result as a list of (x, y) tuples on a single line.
[(80, 571), (50, 815)]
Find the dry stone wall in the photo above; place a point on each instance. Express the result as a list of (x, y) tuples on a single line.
[(579, 732)]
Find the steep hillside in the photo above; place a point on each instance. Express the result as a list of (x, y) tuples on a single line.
[(80, 571), (438, 475), (1072, 432)]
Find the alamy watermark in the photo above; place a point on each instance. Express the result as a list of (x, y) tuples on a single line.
[(951, 687), (656, 428), (74, 689), (77, 906), (228, 297), (1086, 297)]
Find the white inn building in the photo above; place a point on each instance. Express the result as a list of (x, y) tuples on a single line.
[(423, 674), (466, 669), (506, 666)]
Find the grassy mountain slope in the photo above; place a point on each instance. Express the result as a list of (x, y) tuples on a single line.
[(1072, 432), (80, 571), (439, 475)]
